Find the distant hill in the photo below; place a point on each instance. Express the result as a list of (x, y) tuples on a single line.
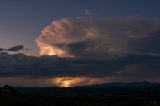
[(126, 85)]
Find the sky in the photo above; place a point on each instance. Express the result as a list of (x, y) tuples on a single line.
[(84, 42)]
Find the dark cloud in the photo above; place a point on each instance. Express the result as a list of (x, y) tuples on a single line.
[(16, 48), (148, 71), (1, 49), (20, 65)]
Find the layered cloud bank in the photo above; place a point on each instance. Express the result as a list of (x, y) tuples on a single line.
[(50, 70), (95, 51), (79, 37)]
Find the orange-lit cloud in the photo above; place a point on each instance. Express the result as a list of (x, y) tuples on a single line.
[(55, 38), (52, 50), (79, 37), (78, 81)]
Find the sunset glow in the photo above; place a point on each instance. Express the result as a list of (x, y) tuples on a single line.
[(76, 81), (66, 84)]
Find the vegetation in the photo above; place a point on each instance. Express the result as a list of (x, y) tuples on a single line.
[(10, 96)]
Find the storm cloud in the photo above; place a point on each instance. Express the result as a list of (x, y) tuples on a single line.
[(90, 51), (81, 37), (128, 67)]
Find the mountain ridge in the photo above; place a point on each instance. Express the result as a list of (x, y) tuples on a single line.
[(126, 84)]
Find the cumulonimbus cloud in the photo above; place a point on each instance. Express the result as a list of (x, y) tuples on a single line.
[(133, 42), (70, 37)]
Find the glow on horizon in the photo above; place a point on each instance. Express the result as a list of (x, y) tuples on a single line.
[(77, 81)]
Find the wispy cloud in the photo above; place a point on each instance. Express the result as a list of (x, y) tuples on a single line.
[(88, 12)]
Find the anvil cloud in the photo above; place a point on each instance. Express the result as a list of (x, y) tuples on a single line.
[(79, 37)]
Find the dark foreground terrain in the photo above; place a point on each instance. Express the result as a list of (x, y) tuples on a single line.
[(80, 96)]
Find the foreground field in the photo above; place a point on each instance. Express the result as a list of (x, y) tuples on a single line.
[(10, 96)]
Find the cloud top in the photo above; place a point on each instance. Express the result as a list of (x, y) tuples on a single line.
[(79, 37)]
